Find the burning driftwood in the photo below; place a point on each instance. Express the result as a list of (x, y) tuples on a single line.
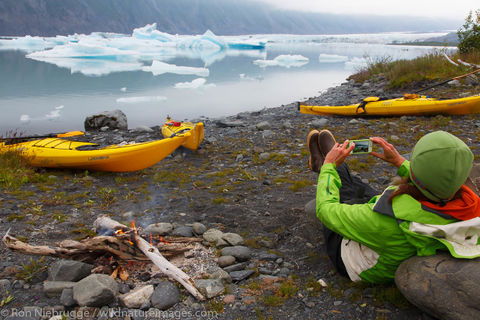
[(153, 254), (125, 243)]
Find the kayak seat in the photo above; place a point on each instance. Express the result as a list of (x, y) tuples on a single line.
[(366, 101), (88, 147)]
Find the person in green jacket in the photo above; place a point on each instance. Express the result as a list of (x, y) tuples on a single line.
[(368, 234)]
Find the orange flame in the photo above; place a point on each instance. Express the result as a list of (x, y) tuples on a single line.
[(120, 231)]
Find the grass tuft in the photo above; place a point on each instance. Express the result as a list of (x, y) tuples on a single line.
[(14, 171)]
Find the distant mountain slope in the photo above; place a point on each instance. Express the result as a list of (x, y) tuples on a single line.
[(223, 17)]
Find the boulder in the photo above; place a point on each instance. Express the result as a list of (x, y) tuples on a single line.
[(183, 231), (69, 270), (225, 261), (137, 298), (233, 239), (319, 123), (199, 228), (66, 298), (161, 228), (442, 286), (96, 290), (264, 125), (221, 275), (241, 275), (114, 119), (55, 288), (215, 236), (166, 294), (241, 253), (210, 287), (5, 286)]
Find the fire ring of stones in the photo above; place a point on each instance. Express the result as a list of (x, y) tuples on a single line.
[(110, 270)]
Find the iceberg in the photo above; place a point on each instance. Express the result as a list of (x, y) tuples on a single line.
[(150, 32), (206, 41), (284, 60), (141, 99), (52, 115), (131, 52), (158, 68), (331, 58), (32, 44), (91, 68), (86, 49), (195, 84), (356, 64), (25, 118)]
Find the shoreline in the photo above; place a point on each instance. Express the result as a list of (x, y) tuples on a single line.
[(251, 177)]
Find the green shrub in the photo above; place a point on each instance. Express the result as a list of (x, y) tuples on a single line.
[(14, 171), (32, 269), (469, 33)]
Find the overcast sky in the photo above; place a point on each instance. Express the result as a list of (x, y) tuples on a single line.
[(457, 9)]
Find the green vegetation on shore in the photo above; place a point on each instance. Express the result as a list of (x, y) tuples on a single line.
[(14, 171), (427, 68), (430, 67)]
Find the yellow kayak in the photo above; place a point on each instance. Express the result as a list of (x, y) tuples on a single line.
[(413, 105), (61, 153)]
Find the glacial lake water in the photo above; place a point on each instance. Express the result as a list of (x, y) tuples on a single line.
[(56, 93)]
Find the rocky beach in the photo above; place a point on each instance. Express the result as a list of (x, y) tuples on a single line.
[(245, 194)]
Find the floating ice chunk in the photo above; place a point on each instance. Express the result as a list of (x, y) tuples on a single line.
[(284, 60), (356, 64), (191, 85), (331, 58), (124, 89), (150, 32), (195, 84), (141, 99), (25, 118), (249, 44), (54, 114), (211, 37), (27, 43), (93, 67), (131, 52), (31, 44), (86, 49), (207, 41), (243, 76), (158, 68)]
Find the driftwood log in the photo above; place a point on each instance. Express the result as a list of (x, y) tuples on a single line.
[(153, 254), (126, 245), (88, 250)]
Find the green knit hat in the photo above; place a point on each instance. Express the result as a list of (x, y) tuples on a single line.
[(439, 165)]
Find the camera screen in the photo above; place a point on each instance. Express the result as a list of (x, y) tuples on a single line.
[(361, 146)]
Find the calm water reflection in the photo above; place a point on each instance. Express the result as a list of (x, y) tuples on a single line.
[(52, 99)]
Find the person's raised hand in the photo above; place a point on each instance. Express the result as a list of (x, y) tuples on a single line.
[(390, 154), (339, 153)]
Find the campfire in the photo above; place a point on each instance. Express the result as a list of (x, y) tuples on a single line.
[(120, 248)]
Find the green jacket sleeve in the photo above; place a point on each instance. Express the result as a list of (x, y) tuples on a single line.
[(404, 170), (357, 222)]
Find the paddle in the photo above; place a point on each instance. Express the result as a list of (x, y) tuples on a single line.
[(446, 81), (51, 135)]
